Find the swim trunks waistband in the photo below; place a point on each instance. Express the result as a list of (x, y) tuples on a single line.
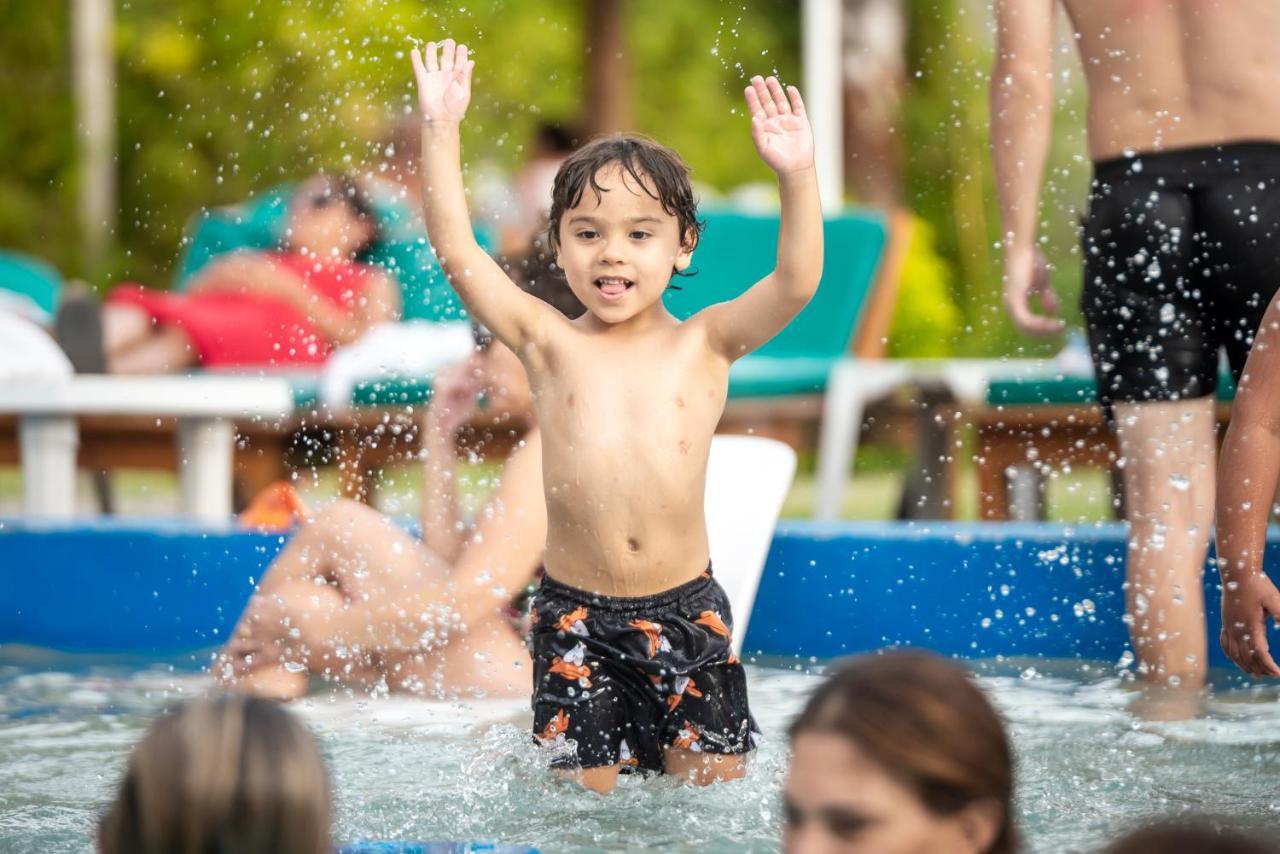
[(664, 599), (1202, 161)]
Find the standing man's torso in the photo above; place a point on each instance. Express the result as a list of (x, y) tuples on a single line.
[(1169, 74)]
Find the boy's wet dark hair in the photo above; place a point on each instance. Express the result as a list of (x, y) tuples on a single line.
[(658, 170)]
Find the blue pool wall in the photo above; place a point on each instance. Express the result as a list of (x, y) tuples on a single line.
[(152, 587)]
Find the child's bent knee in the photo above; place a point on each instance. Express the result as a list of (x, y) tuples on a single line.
[(601, 780), (703, 769)]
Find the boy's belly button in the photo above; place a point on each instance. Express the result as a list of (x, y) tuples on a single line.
[(633, 544)]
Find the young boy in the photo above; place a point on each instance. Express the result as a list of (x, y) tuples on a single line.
[(632, 659)]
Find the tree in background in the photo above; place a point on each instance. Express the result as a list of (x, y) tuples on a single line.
[(218, 101)]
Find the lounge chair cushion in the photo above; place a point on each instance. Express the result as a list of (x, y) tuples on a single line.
[(30, 280), (1065, 390)]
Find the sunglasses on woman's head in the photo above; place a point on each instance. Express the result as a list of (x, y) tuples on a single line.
[(481, 336)]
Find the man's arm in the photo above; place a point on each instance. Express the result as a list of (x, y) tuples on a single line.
[(1247, 477), (1021, 120), (453, 400), (444, 91), (780, 129), (510, 534)]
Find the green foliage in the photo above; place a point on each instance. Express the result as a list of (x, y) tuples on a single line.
[(950, 179), (691, 64), (926, 321), (219, 100), (37, 133)]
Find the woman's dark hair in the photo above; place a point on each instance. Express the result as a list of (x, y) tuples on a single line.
[(656, 169), (924, 721), (536, 274), (230, 774), (346, 188)]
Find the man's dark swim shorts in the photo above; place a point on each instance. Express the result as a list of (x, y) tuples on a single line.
[(1181, 257), (617, 679)]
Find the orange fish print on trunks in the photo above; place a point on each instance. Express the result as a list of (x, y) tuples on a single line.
[(573, 622), (571, 666), (688, 738), (652, 631), (624, 755), (683, 685), (712, 620), (556, 727)]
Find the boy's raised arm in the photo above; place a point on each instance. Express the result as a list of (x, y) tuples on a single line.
[(444, 91), (780, 130)]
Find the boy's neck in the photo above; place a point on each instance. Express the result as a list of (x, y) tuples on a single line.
[(654, 317)]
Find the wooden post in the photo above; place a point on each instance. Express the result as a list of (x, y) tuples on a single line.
[(874, 80), (608, 73), (94, 70)]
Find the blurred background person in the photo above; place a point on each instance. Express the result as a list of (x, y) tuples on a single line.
[(899, 753)]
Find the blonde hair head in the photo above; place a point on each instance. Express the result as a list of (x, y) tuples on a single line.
[(229, 774)]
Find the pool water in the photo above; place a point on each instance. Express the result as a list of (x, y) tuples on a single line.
[(413, 769)]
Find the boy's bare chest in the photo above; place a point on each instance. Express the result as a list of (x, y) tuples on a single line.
[(653, 394)]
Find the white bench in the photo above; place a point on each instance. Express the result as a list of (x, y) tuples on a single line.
[(205, 407), (856, 382)]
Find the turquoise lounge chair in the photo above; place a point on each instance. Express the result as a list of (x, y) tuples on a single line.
[(815, 354), (737, 250), (1068, 390), (34, 282), (259, 223)]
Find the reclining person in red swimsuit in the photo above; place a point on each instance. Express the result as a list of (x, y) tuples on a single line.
[(249, 308)]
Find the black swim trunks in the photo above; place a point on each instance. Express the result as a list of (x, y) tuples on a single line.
[(617, 679), (1181, 257)]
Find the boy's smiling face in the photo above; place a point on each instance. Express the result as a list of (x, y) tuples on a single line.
[(618, 248)]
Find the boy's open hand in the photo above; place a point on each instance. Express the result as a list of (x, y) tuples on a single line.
[(779, 125), (444, 81)]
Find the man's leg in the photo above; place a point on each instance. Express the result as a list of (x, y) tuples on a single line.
[(1169, 451)]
